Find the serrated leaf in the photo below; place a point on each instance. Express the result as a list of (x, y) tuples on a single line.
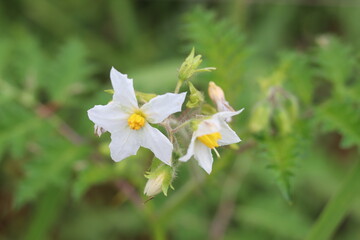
[(342, 116), (53, 168)]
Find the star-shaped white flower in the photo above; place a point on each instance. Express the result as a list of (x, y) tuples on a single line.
[(128, 123), (211, 133)]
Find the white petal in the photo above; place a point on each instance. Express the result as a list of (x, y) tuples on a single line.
[(157, 142), (109, 117), (160, 107), (124, 93), (228, 136), (208, 126), (225, 115), (203, 156), (124, 144), (190, 150)]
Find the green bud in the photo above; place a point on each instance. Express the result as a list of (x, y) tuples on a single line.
[(195, 97), (260, 117), (190, 65), (283, 121), (159, 180)]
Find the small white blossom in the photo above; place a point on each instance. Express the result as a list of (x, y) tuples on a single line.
[(211, 133), (128, 123)]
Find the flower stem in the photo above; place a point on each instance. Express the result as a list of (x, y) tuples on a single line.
[(178, 85), (337, 207), (181, 126)]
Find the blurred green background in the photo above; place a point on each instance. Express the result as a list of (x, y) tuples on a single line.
[(57, 180)]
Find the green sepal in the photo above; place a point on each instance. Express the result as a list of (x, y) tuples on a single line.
[(161, 170)]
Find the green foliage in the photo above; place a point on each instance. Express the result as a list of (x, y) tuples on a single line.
[(69, 73), (342, 116), (222, 44), (51, 170), (94, 175), (335, 60), (300, 93)]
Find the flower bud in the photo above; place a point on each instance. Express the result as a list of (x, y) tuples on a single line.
[(283, 121), (218, 97), (190, 65), (195, 98), (154, 185), (260, 117), (159, 180)]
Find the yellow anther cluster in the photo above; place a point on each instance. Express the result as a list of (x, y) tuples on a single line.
[(136, 121), (210, 140)]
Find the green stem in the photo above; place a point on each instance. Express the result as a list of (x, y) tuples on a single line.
[(158, 232), (337, 207), (181, 126), (178, 85)]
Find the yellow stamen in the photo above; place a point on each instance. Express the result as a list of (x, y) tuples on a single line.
[(210, 140), (136, 121)]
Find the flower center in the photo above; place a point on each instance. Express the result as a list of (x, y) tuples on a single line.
[(210, 140), (136, 121)]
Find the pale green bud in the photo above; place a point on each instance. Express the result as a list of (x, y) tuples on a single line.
[(260, 117), (159, 180), (283, 121), (195, 97), (190, 65)]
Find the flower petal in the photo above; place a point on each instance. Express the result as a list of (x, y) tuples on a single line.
[(109, 117), (160, 107), (228, 136), (124, 144), (203, 156), (157, 142), (208, 126), (226, 115), (124, 93), (190, 150)]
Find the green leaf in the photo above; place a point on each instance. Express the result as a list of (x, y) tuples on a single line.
[(343, 116), (335, 60), (69, 74), (51, 169)]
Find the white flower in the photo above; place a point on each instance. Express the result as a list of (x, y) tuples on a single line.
[(129, 124), (211, 133)]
